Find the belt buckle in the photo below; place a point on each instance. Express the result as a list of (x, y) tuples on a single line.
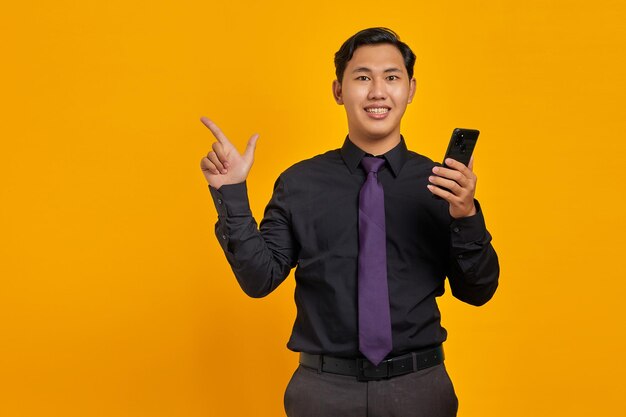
[(366, 371)]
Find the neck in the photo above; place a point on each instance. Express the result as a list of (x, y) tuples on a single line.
[(375, 145)]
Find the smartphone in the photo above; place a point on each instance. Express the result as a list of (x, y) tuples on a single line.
[(462, 145)]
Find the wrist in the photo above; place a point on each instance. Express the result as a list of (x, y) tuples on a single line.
[(468, 213)]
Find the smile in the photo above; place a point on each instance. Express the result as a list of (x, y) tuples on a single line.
[(377, 110)]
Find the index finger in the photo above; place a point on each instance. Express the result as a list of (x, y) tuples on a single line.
[(217, 132), (459, 166)]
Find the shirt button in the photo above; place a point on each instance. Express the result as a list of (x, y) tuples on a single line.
[(224, 237), (219, 201), (456, 230), (460, 256)]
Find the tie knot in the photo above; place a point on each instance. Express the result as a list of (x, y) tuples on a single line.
[(372, 164)]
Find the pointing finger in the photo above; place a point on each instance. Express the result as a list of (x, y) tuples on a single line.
[(217, 132)]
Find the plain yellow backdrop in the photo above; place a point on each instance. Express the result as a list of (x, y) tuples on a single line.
[(115, 297)]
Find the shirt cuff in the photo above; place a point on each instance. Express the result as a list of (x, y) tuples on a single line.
[(231, 200), (469, 229)]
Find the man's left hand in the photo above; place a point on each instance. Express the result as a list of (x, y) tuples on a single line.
[(460, 180)]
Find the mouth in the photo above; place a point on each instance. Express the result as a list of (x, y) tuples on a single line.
[(377, 112)]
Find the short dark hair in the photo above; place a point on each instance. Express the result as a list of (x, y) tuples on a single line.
[(372, 36)]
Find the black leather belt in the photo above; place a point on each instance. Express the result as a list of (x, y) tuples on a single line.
[(364, 370)]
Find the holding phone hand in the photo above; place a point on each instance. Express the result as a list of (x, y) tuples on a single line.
[(460, 180), (224, 164)]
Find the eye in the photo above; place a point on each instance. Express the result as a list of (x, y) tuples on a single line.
[(362, 78), (393, 78)]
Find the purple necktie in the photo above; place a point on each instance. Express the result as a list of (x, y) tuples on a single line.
[(374, 316)]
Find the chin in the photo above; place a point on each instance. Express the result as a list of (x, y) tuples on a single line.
[(376, 135), (381, 132), (375, 130)]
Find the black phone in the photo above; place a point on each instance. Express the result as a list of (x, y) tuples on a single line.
[(461, 145)]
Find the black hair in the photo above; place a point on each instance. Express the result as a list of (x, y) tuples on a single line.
[(372, 36)]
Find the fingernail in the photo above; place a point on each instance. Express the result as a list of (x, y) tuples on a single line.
[(431, 178), (435, 169)]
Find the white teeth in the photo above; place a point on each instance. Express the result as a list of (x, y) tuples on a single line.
[(378, 110)]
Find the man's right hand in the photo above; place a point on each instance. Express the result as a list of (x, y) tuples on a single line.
[(224, 164)]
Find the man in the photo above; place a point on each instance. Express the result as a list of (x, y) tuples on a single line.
[(367, 326)]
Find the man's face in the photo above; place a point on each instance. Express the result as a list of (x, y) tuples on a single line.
[(375, 91)]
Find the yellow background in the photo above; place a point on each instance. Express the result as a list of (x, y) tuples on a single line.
[(115, 298)]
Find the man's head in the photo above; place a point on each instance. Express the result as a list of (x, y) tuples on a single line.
[(374, 83), (372, 36)]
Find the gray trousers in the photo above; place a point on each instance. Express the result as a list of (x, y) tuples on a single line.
[(425, 393)]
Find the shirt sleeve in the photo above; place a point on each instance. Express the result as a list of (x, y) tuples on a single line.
[(473, 268), (260, 258)]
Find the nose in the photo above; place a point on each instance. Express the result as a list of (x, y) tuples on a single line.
[(377, 89)]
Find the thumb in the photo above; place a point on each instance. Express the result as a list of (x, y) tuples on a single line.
[(248, 154), (470, 165)]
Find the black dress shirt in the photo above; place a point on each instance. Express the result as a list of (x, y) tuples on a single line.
[(311, 223)]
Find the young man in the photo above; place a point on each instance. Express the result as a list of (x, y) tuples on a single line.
[(371, 245)]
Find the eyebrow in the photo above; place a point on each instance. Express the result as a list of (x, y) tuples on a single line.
[(365, 69)]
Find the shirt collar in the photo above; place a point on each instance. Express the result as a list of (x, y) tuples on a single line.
[(395, 157)]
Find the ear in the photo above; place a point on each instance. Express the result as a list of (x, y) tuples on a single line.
[(337, 93), (412, 88)]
